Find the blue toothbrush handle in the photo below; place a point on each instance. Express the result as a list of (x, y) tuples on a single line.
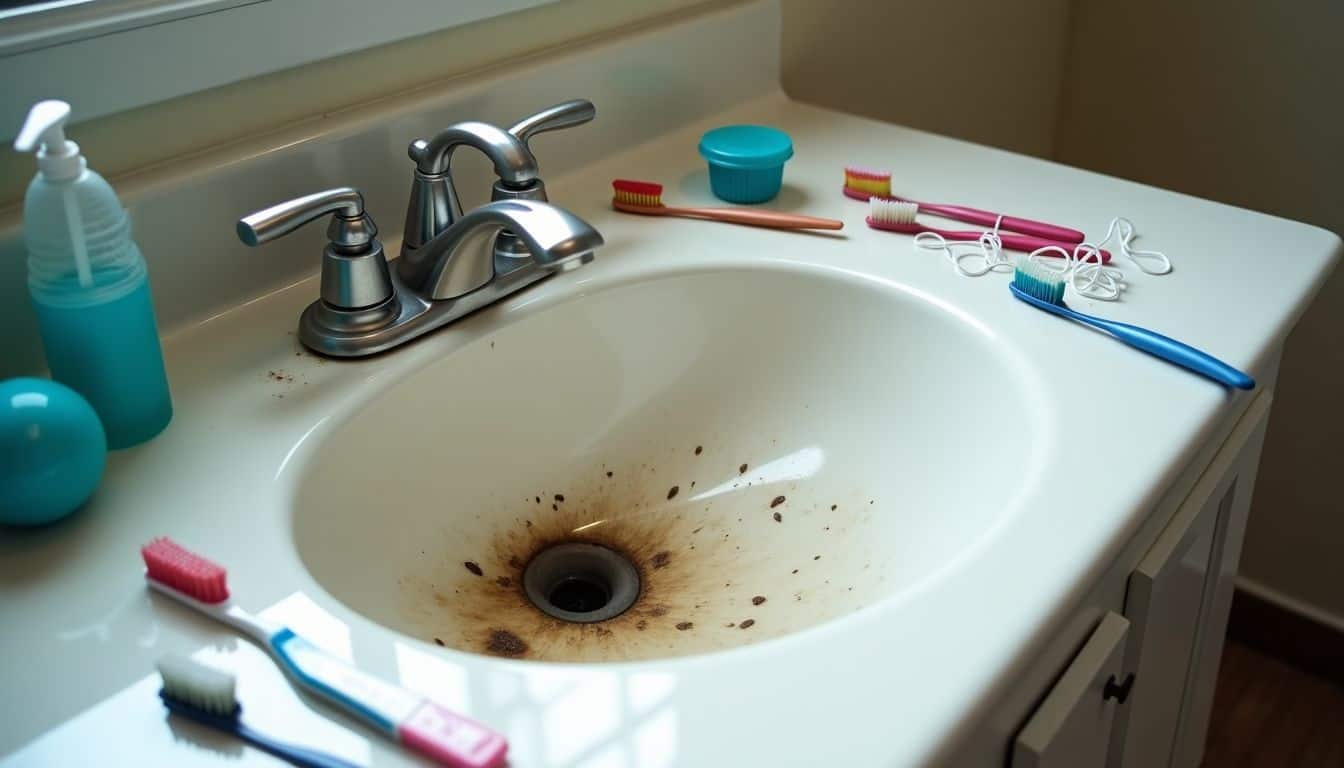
[(1174, 351), (1152, 342), (295, 755)]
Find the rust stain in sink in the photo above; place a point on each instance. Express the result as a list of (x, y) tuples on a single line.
[(701, 564)]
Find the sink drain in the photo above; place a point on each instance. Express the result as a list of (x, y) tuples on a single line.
[(582, 583)]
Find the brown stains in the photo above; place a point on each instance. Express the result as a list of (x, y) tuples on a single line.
[(438, 641), (833, 506), (467, 590), (698, 449), (742, 470), (778, 517), (502, 642), (494, 616), (775, 502), (673, 491)]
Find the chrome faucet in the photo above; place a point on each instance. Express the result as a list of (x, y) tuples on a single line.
[(451, 263), (434, 204)]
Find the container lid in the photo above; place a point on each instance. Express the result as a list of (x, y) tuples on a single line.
[(746, 146)]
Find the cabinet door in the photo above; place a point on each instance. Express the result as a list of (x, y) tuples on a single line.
[(1072, 726), (1163, 601)]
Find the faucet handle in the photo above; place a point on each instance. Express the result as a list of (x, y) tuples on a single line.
[(565, 115), (351, 228), (354, 269)]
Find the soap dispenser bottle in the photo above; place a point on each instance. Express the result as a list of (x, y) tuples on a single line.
[(90, 286)]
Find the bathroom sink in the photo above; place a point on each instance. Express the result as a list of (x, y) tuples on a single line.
[(737, 455)]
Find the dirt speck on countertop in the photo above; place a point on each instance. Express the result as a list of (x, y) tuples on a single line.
[(698, 449), (438, 642), (757, 600), (778, 517), (661, 559), (673, 491), (776, 501), (742, 470), (474, 568), (685, 625), (746, 624)]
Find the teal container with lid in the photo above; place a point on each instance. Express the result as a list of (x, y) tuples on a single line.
[(746, 162)]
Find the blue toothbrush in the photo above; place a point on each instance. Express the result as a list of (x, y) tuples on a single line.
[(206, 695), (1044, 289)]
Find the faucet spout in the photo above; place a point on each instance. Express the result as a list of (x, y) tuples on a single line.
[(514, 162), (434, 204), (462, 258)]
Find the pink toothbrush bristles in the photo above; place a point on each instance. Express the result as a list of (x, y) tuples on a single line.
[(173, 565)]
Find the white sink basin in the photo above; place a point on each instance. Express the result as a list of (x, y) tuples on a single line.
[(820, 441)]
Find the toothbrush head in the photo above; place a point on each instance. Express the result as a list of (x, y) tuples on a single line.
[(884, 211), (197, 691), (862, 183), (1038, 282), (642, 194), (175, 566)]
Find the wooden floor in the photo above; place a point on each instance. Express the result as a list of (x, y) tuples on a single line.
[(1268, 714)]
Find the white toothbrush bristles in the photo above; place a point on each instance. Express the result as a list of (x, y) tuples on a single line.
[(204, 688), (892, 211)]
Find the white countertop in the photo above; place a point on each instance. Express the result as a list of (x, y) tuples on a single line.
[(889, 685)]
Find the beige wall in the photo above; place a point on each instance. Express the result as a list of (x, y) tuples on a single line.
[(979, 70), (1239, 101)]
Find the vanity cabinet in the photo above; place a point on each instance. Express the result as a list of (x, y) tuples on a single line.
[(1141, 698), (1178, 600)]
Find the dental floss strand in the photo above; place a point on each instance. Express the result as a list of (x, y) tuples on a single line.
[(1081, 267)]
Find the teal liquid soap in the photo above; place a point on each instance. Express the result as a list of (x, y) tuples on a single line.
[(110, 354)]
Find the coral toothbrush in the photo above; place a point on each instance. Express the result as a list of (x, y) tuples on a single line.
[(646, 198), (1045, 290), (444, 736), (897, 216), (863, 184)]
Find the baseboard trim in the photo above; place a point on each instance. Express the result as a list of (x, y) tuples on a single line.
[(1308, 639)]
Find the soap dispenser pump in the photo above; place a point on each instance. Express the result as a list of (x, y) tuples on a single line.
[(89, 286)]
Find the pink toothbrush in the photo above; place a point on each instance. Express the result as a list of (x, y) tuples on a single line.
[(862, 184), (899, 216)]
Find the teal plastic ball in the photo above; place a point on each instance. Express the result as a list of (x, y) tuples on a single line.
[(52, 451)]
